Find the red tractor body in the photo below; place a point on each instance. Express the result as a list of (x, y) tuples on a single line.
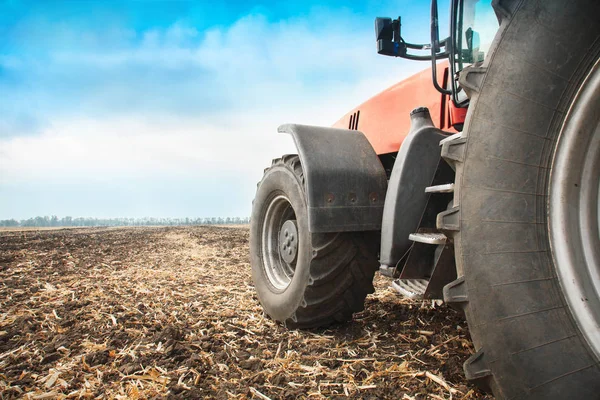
[(385, 118)]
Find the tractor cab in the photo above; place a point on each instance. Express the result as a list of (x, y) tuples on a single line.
[(473, 25)]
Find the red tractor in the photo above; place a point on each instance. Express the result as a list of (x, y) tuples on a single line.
[(476, 182)]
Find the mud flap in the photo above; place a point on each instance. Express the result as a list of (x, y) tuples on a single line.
[(345, 181)]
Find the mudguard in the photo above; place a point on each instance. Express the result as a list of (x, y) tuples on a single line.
[(345, 181), (413, 171)]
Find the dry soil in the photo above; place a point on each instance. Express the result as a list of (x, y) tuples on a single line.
[(172, 313)]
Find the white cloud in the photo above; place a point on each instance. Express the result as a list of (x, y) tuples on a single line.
[(269, 72), (80, 150)]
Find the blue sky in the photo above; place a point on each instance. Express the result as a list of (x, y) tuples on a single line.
[(151, 108)]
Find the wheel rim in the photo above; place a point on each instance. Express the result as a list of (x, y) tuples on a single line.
[(574, 209), (279, 249)]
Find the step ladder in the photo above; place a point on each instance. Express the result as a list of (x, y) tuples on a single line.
[(430, 249)]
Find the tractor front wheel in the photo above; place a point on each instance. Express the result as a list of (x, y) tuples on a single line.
[(304, 280)]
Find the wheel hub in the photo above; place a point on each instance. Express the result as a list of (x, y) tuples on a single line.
[(288, 241), (279, 251), (574, 212)]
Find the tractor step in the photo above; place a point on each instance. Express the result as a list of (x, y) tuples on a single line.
[(386, 270), (411, 288), (447, 188), (428, 238)]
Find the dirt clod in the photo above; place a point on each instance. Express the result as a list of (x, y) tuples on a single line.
[(50, 358), (97, 358)]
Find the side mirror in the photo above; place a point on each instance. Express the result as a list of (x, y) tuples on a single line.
[(389, 41), (472, 54), (384, 29)]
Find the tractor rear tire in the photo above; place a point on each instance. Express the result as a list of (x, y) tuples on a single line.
[(530, 341), (305, 280)]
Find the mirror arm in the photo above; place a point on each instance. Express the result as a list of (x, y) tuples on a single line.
[(454, 29), (426, 46), (416, 46), (441, 56), (435, 47), (452, 63)]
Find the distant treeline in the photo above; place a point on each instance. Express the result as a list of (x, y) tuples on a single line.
[(54, 221)]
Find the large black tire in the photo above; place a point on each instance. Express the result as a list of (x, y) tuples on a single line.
[(332, 273), (528, 343)]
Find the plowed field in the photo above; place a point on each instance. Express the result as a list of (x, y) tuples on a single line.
[(172, 313)]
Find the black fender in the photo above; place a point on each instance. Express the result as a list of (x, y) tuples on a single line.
[(414, 170), (345, 181)]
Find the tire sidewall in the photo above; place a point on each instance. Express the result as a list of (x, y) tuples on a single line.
[(280, 305)]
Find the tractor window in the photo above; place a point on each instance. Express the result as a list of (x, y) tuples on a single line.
[(477, 25)]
